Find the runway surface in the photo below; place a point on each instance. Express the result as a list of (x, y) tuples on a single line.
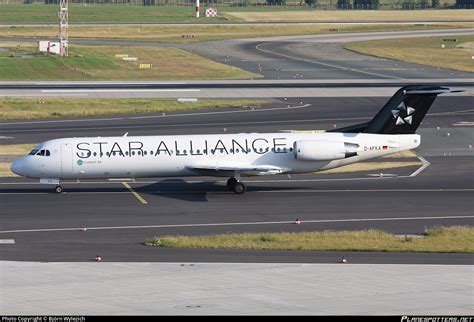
[(48, 227), (41, 226)]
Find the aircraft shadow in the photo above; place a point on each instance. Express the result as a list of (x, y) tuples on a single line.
[(197, 191)]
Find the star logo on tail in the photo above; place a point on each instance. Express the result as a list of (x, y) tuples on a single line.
[(403, 114)]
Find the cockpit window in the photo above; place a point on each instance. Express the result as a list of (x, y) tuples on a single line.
[(43, 153)]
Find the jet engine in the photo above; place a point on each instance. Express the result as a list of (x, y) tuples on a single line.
[(323, 150)]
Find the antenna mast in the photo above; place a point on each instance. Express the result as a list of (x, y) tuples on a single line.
[(63, 26)]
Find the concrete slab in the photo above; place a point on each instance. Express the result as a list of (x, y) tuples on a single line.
[(173, 288)]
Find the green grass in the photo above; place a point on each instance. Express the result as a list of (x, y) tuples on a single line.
[(427, 51), (99, 63), (351, 15), (26, 108), (440, 239), (40, 13)]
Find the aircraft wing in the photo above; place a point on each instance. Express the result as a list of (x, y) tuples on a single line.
[(243, 169)]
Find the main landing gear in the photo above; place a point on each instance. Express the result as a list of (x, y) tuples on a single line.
[(237, 186), (58, 189)]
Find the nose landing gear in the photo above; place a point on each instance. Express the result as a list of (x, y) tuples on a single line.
[(236, 185), (58, 189)]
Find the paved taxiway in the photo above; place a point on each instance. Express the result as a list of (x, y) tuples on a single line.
[(46, 226), (306, 57)]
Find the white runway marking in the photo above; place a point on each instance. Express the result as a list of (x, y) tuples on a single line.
[(115, 90), (425, 165), (321, 221), (464, 124), (38, 95), (7, 241)]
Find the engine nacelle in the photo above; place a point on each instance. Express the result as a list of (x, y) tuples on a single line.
[(323, 150)]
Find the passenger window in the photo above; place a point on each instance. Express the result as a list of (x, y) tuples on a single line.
[(95, 153)]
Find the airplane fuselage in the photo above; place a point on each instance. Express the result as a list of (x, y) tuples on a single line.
[(191, 155)]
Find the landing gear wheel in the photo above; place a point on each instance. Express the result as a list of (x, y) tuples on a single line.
[(58, 189), (231, 183), (239, 188)]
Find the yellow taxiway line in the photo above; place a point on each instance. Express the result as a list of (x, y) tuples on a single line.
[(140, 198)]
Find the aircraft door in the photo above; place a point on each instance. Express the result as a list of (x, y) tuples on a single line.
[(66, 159)]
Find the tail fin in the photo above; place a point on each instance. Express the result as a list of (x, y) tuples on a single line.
[(403, 113)]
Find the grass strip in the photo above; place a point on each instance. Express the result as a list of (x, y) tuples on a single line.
[(456, 239), (196, 33), (353, 15), (433, 51), (16, 149), (371, 166), (5, 170), (42, 108), (39, 13), (22, 61)]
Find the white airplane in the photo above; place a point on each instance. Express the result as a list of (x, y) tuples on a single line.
[(232, 155)]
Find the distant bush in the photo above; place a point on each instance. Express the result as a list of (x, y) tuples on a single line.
[(344, 4), (465, 3), (435, 3), (276, 2), (366, 4)]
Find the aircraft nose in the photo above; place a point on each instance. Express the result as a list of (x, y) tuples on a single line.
[(17, 167)]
